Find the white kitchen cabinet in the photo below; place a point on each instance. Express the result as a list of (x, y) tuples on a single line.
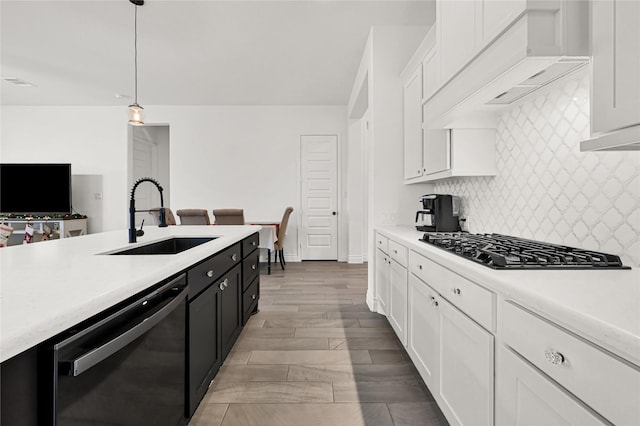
[(398, 300), (602, 382), (431, 74), (413, 125), (424, 330), (529, 398), (466, 368), (615, 78), (493, 16), (382, 281), (458, 152), (453, 354)]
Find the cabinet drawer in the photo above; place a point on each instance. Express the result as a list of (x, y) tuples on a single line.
[(250, 299), (398, 253), (201, 275), (608, 385), (382, 243), (250, 269), (470, 298), (249, 244)]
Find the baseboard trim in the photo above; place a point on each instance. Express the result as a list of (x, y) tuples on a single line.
[(355, 259), (371, 302)]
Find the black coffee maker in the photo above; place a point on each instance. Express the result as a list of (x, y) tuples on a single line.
[(440, 213)]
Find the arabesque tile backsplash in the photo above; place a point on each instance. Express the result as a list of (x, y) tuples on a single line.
[(546, 189)]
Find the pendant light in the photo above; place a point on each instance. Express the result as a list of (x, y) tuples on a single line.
[(136, 112)]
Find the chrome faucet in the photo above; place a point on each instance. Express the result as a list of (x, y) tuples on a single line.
[(133, 233)]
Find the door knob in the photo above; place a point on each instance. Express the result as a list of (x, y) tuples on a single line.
[(334, 213)]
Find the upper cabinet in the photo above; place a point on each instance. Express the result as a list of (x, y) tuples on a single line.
[(413, 126), (615, 78)]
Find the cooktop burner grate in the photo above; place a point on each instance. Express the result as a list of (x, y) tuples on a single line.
[(505, 252)]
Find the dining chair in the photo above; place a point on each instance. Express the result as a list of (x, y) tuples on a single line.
[(168, 215), (193, 217), (278, 246), (228, 216)]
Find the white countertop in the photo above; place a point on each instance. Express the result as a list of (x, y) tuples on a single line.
[(602, 306), (48, 287)]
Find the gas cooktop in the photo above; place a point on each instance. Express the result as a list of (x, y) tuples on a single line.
[(505, 252)]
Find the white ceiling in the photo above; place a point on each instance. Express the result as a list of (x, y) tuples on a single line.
[(191, 52)]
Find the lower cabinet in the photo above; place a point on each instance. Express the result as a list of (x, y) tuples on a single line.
[(230, 309), (382, 281), (397, 314), (466, 367), (454, 355), (529, 398), (204, 349), (217, 310)]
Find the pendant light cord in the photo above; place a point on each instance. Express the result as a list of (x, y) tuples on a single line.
[(135, 50)]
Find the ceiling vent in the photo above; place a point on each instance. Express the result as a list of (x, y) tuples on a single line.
[(18, 82)]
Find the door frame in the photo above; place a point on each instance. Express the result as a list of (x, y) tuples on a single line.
[(340, 248)]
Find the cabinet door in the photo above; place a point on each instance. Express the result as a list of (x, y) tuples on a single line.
[(457, 27), (466, 368), (493, 16), (382, 281), (398, 300), (431, 73), (413, 126), (615, 43), (529, 398), (204, 344), (230, 309), (437, 151), (424, 330)]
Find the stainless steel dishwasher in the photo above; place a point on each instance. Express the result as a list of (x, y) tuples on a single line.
[(125, 367)]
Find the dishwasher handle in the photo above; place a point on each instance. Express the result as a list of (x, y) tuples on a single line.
[(87, 360)]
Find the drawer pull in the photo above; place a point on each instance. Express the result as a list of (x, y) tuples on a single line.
[(253, 243), (434, 302), (395, 251), (253, 297), (210, 274), (234, 257), (456, 291), (420, 267), (555, 358), (253, 267)]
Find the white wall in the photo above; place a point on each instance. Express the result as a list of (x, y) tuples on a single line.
[(221, 157)]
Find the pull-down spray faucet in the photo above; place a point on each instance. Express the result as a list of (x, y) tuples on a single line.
[(132, 208)]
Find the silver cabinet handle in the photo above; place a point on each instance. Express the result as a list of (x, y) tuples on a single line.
[(456, 291), (253, 243), (210, 273), (253, 297), (554, 357), (253, 267), (224, 284), (234, 257)]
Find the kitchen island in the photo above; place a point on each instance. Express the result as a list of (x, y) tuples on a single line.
[(50, 287)]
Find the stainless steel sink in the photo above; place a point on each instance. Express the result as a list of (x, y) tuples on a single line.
[(170, 246)]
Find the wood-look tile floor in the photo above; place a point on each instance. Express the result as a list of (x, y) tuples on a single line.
[(316, 356)]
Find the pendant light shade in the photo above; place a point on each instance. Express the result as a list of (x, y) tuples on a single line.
[(136, 112)]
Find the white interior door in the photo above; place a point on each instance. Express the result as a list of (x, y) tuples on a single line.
[(319, 197)]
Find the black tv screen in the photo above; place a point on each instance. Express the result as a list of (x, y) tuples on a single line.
[(35, 189)]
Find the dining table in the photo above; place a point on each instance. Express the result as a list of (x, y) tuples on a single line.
[(268, 237)]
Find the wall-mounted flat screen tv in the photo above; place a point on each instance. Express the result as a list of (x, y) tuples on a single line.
[(38, 189)]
